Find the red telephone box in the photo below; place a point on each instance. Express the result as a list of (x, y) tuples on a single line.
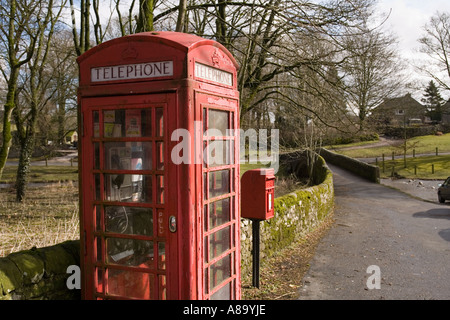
[(159, 220)]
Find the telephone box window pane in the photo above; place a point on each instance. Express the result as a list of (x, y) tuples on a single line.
[(130, 252), (159, 122), (139, 285), (220, 153), (96, 123), (129, 220), (205, 186), (97, 186), (205, 121), (219, 242), (128, 188), (223, 293), (98, 242), (161, 255), (160, 189), (127, 123), (159, 156), (219, 213), (99, 280), (96, 156), (162, 287), (218, 122), (98, 218), (219, 272), (219, 183), (128, 155)]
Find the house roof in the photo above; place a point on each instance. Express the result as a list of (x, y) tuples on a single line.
[(407, 102)]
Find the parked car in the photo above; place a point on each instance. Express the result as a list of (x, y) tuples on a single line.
[(444, 191)]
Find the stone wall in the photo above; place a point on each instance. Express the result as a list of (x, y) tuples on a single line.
[(295, 215), (39, 274), (362, 169)]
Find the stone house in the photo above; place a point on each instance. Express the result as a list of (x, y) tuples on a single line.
[(400, 110)]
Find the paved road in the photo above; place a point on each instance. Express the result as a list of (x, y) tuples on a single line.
[(408, 239)]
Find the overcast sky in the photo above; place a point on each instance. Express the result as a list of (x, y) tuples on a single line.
[(406, 20)]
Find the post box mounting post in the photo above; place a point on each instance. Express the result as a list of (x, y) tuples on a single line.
[(255, 252)]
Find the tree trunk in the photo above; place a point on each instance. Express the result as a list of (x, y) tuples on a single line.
[(8, 110), (26, 150), (145, 18)]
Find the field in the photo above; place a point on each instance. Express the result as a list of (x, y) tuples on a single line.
[(48, 216), (421, 159), (421, 145)]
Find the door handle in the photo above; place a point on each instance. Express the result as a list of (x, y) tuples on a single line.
[(172, 224)]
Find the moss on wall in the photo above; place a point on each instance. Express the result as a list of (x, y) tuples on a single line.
[(39, 273)]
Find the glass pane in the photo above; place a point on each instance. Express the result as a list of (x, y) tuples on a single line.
[(96, 155), (219, 183), (129, 220), (96, 123), (130, 252), (205, 186), (128, 155), (131, 284), (162, 287), (98, 218), (127, 123), (205, 121), (159, 156), (219, 153), (128, 188), (159, 122), (219, 213), (97, 186), (98, 243), (219, 242), (99, 280), (218, 122), (219, 272), (160, 189), (223, 293), (161, 255)]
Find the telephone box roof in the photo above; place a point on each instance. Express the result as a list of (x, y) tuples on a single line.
[(182, 41)]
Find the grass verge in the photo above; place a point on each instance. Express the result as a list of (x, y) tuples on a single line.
[(42, 174), (423, 145), (49, 215), (281, 274)]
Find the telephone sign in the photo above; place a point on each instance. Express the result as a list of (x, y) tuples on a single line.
[(155, 227)]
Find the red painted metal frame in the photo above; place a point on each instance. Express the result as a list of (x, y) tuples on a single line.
[(184, 95)]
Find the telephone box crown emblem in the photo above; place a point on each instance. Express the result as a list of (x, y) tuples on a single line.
[(215, 58), (130, 53)]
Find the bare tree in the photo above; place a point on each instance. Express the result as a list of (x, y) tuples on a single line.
[(436, 44), (34, 88), (372, 71), (17, 46)]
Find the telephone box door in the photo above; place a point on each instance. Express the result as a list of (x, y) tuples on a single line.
[(221, 221), (129, 250)]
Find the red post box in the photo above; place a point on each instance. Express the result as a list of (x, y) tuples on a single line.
[(159, 169), (257, 191)]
